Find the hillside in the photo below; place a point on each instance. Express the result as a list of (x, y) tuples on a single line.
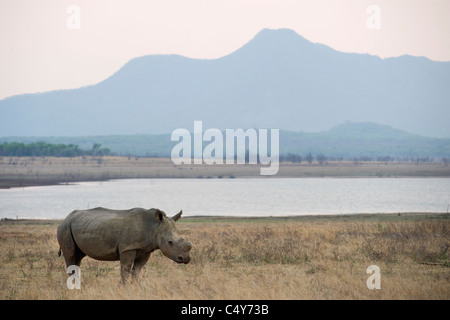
[(371, 140), (347, 140), (277, 80)]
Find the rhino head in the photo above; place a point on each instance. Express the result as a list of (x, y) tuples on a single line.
[(169, 242)]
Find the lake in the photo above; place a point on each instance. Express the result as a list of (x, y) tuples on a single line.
[(233, 197)]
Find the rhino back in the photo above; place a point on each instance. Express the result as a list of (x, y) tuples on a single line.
[(103, 233)]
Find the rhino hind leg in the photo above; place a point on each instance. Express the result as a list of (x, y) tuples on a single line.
[(75, 258), (72, 254)]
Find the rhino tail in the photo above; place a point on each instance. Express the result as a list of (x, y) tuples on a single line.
[(59, 252)]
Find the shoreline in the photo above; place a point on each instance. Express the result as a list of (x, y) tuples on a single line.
[(20, 172), (25, 183), (373, 217)]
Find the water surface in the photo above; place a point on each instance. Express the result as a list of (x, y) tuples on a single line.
[(233, 197)]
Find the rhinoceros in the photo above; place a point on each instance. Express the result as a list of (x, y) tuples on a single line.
[(126, 235)]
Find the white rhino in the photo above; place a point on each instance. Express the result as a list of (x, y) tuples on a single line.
[(126, 235)]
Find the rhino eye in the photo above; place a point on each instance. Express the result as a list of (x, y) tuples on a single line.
[(170, 243)]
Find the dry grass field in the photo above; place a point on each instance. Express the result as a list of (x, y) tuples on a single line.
[(29, 171), (303, 258)]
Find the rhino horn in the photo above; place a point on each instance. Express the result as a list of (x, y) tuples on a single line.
[(177, 216)]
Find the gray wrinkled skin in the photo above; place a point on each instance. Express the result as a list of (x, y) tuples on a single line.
[(126, 235)]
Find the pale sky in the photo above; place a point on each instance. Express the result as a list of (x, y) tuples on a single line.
[(43, 49)]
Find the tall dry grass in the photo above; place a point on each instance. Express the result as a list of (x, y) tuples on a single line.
[(247, 260)]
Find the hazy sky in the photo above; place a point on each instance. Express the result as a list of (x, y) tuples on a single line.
[(59, 44)]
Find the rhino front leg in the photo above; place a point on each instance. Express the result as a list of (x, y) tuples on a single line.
[(126, 263), (139, 262)]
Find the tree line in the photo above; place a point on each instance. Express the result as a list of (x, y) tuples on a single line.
[(322, 159), (43, 149)]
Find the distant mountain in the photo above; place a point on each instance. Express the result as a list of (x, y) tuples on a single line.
[(277, 80), (353, 140), (348, 140)]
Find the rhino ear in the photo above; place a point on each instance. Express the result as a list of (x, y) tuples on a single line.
[(177, 216), (159, 215)]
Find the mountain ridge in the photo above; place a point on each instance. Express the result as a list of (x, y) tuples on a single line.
[(347, 140), (277, 80)]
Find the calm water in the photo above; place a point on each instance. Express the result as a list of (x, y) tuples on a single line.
[(233, 197)]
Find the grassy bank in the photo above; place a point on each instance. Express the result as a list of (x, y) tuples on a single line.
[(32, 171), (297, 258)]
